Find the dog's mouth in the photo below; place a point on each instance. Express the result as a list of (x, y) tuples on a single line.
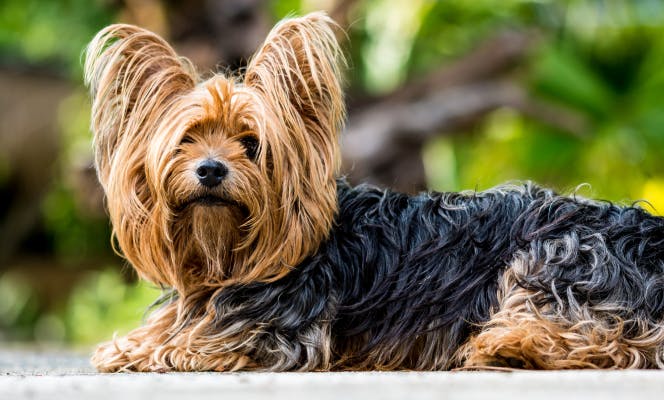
[(210, 200)]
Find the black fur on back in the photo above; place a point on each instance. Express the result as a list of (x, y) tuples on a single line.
[(398, 270)]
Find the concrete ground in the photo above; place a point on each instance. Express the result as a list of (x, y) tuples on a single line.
[(58, 375)]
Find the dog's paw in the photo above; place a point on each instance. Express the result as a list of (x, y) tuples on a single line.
[(111, 357), (125, 356)]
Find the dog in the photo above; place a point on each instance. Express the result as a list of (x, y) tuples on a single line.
[(226, 193)]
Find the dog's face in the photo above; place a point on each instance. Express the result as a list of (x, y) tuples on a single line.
[(210, 174), (222, 180)]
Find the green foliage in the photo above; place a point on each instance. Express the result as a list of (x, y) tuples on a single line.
[(450, 28), (601, 60), (50, 33), (104, 304), (76, 236), (390, 29), (101, 303), (18, 310), (284, 8), (565, 78)]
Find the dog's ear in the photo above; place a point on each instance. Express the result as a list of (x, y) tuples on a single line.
[(296, 74), (135, 78)]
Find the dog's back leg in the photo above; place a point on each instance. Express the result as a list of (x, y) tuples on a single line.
[(542, 329)]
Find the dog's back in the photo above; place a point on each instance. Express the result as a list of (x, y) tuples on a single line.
[(562, 282), (532, 278)]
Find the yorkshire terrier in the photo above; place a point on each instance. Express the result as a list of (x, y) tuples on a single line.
[(225, 192)]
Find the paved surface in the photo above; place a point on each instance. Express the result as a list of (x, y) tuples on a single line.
[(56, 375)]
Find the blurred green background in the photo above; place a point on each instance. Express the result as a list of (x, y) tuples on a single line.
[(565, 93)]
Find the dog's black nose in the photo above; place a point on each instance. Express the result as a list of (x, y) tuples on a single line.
[(210, 173)]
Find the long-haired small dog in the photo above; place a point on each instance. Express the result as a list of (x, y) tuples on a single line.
[(226, 193)]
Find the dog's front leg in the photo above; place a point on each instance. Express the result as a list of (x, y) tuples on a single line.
[(160, 347), (129, 354)]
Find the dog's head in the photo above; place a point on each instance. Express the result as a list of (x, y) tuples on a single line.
[(226, 179)]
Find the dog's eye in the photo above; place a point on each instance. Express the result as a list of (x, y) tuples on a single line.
[(250, 144), (187, 139)]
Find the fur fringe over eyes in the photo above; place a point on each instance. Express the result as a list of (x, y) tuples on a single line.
[(225, 192)]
